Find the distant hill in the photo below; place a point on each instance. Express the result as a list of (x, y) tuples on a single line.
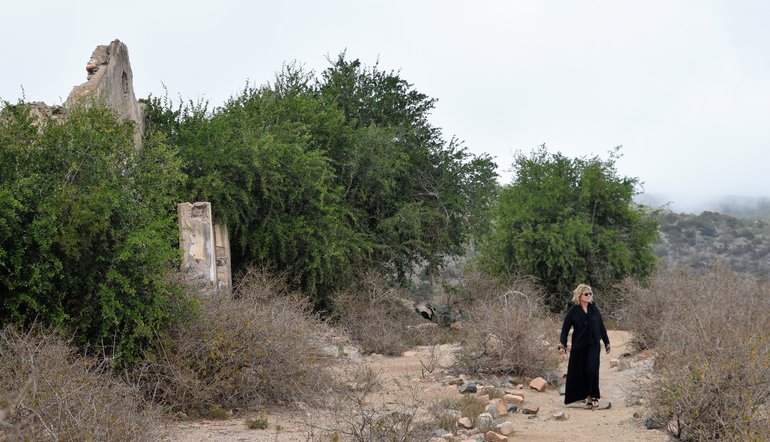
[(733, 205), (699, 240)]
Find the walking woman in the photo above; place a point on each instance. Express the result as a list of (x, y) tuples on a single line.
[(583, 367)]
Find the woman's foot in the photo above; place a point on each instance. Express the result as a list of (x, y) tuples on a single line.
[(595, 403), (589, 403)]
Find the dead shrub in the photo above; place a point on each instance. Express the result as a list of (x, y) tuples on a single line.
[(377, 317), (54, 394), (260, 345), (351, 415), (709, 334), (507, 331)]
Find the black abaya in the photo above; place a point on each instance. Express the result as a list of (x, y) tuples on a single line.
[(583, 374), (583, 367)]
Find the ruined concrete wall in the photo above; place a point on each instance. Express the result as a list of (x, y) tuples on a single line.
[(222, 252), (111, 81), (205, 246)]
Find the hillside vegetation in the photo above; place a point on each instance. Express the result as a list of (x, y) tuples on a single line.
[(698, 241)]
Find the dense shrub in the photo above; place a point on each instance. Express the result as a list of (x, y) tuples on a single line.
[(709, 333), (261, 345), (87, 231), (56, 395), (508, 329), (566, 220), (320, 177)]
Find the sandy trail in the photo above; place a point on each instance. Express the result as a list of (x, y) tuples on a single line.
[(402, 374)]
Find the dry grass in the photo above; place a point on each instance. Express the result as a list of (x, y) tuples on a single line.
[(507, 331), (377, 317), (709, 333), (261, 345), (54, 395), (352, 416)]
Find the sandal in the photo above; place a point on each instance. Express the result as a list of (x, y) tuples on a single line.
[(589, 405), (595, 403)]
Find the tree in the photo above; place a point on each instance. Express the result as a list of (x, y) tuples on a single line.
[(325, 179), (87, 233), (567, 221), (419, 196)]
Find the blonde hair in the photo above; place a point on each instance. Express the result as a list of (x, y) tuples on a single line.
[(579, 292)]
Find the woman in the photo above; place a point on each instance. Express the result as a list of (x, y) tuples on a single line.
[(583, 367)]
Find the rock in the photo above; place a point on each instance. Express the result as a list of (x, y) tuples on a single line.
[(538, 384), (637, 415), (491, 409), (484, 421), (440, 432), (614, 362), (512, 409), (505, 428), (468, 387), (500, 406), (530, 409), (464, 422), (559, 415), (624, 364), (562, 390), (653, 424), (513, 399), (482, 399), (491, 436)]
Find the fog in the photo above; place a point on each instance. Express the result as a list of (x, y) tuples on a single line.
[(733, 205)]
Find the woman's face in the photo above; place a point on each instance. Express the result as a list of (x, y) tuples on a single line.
[(587, 296)]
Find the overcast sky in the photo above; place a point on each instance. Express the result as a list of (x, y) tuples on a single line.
[(683, 86)]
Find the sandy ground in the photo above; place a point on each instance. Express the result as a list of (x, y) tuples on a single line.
[(405, 374)]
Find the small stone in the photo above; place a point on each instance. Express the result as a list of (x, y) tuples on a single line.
[(513, 398), (505, 428), (512, 409), (559, 416), (562, 390), (440, 432), (491, 436), (637, 415), (482, 399), (484, 421), (464, 422), (614, 362), (538, 384), (530, 409), (653, 424), (468, 387), (500, 405)]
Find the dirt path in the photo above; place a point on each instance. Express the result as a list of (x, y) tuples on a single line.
[(406, 373)]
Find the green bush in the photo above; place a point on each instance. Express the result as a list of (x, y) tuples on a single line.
[(567, 221), (325, 178), (87, 227)]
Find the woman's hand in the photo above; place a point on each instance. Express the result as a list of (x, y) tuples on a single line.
[(562, 351), (607, 347)]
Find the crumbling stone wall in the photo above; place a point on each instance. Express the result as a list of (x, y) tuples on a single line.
[(205, 246), (111, 81)]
